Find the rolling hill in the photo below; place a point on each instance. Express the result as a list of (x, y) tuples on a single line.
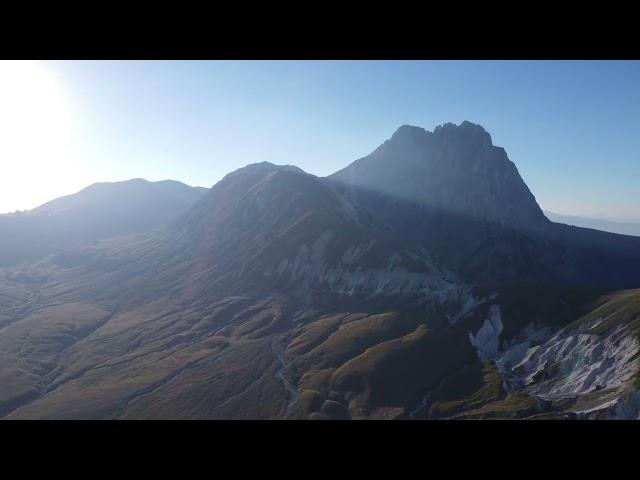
[(99, 211)]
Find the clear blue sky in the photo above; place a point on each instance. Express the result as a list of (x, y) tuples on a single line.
[(572, 128)]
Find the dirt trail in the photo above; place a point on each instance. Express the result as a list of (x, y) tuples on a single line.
[(278, 350)]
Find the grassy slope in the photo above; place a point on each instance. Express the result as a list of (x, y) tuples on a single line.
[(161, 361), (618, 308)]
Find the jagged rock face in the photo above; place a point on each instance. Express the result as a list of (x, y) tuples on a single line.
[(567, 365), (455, 169), (587, 369), (486, 340), (459, 197)]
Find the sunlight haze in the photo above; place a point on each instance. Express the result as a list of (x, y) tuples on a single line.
[(67, 124)]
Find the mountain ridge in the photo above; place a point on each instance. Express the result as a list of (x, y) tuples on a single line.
[(460, 197), (279, 294), (96, 212), (622, 228)]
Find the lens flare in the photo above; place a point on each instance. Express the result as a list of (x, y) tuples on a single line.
[(36, 147)]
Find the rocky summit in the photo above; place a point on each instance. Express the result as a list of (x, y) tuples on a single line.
[(455, 169)]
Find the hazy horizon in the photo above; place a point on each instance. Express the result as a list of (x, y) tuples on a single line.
[(464, 246), (67, 124)]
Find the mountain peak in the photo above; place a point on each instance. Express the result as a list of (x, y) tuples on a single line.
[(409, 131), (455, 169), (266, 166), (466, 130)]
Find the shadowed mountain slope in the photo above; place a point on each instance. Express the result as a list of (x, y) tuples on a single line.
[(463, 200), (99, 211), (455, 169), (265, 250)]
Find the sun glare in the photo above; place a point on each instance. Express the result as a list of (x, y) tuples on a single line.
[(35, 135)]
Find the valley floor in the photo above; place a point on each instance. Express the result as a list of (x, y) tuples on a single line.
[(247, 358)]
